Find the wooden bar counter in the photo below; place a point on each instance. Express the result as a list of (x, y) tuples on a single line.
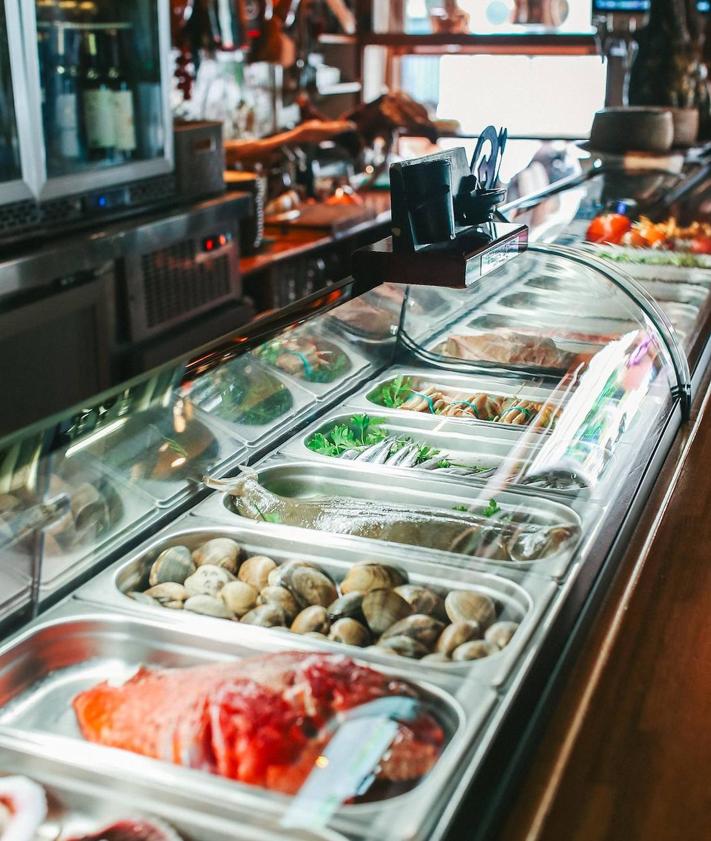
[(626, 753)]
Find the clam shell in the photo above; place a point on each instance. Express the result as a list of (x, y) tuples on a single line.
[(365, 577), (436, 657), (239, 597), (208, 606), (174, 605), (500, 633), (255, 571), (349, 632), (457, 634), (466, 604), (317, 635), (311, 586), (265, 615), (312, 618), (219, 552), (207, 580), (279, 576), (474, 650), (423, 600), (142, 598), (404, 646), (281, 597), (383, 608), (173, 564), (349, 606), (168, 592), (424, 629)]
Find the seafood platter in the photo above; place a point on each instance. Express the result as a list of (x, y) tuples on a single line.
[(378, 528)]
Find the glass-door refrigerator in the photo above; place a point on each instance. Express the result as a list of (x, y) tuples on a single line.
[(92, 78), (17, 173)]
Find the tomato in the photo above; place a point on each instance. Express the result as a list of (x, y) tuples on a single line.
[(608, 227), (701, 244)]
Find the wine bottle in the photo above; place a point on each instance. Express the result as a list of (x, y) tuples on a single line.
[(66, 107), (97, 98), (121, 101)]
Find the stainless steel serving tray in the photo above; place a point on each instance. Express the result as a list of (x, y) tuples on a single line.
[(261, 434), (359, 364), (662, 290), (119, 459), (75, 646), (521, 598), (586, 331), (499, 448), (59, 567), (361, 401), (310, 479), (88, 797)]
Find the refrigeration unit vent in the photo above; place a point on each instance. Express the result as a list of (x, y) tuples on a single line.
[(18, 216), (176, 283), (153, 190)]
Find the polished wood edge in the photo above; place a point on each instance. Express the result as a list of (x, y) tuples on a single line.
[(551, 763)]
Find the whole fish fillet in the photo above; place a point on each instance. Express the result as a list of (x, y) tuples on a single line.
[(262, 720), (466, 533)]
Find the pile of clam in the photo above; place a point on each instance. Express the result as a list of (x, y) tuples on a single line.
[(374, 605)]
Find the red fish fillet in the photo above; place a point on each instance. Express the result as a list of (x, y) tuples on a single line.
[(260, 720)]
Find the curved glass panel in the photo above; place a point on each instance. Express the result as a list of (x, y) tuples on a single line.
[(403, 493), (649, 225)]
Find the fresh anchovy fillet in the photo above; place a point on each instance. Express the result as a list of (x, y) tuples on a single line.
[(382, 455), (350, 455), (398, 459), (410, 460), (513, 540), (370, 454), (432, 463)]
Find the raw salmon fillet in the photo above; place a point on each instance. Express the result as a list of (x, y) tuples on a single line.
[(261, 720)]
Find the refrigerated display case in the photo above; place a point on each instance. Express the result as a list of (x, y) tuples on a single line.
[(364, 534), (652, 225)]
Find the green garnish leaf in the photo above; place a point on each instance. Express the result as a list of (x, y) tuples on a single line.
[(175, 446), (361, 431), (492, 508), (394, 393), (272, 517), (463, 508)]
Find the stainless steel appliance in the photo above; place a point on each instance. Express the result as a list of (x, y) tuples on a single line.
[(86, 122)]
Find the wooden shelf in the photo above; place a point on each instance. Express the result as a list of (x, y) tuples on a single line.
[(534, 43)]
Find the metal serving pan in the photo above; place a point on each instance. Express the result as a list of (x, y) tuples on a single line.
[(76, 647), (311, 480), (589, 331), (681, 293), (358, 364), (131, 510), (519, 597), (489, 450), (119, 453), (84, 799), (448, 382), (257, 434)]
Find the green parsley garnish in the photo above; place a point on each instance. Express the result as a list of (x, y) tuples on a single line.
[(394, 393), (492, 508)]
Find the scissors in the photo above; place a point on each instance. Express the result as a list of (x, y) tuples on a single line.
[(487, 168)]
